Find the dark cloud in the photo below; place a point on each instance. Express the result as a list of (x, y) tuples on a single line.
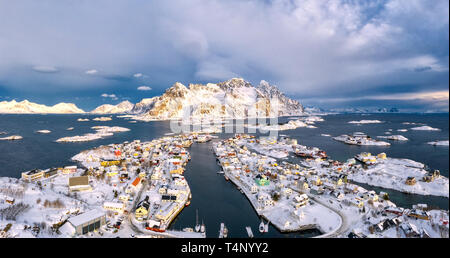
[(311, 49)]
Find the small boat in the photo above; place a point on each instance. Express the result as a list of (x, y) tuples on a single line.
[(241, 190), (197, 226), (262, 227), (225, 231), (221, 230), (249, 232), (226, 178), (266, 227), (203, 228), (220, 172), (188, 203)]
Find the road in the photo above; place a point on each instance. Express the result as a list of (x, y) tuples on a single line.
[(344, 221)]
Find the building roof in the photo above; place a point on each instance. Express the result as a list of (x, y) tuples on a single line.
[(136, 181), (78, 180), (86, 217), (117, 205)]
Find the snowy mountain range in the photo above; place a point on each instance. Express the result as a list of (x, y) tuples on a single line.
[(122, 107), (235, 98), (26, 107)]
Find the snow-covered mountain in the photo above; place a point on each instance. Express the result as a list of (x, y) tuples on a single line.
[(235, 98), (122, 107), (144, 105), (26, 107)]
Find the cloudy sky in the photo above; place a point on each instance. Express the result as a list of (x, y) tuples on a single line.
[(327, 53)]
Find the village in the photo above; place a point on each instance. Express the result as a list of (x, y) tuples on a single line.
[(132, 189), (136, 189), (318, 193)]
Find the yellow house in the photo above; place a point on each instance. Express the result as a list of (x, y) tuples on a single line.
[(112, 173), (316, 180), (141, 211), (357, 203), (305, 186), (142, 174), (108, 163), (179, 171), (32, 175), (338, 181), (382, 155)]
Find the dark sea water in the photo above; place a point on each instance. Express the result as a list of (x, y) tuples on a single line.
[(215, 199)]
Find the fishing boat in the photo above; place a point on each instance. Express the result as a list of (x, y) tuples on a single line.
[(197, 226), (203, 228), (225, 231), (262, 227), (222, 226), (249, 232)]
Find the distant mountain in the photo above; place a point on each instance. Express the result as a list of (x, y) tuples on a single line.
[(365, 110), (235, 98), (122, 107), (26, 107)]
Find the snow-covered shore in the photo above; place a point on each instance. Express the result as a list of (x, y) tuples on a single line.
[(392, 173)]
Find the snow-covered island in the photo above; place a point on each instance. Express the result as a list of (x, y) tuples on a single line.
[(101, 131), (317, 194), (394, 137), (359, 139), (43, 131), (103, 118), (400, 174), (439, 143), (425, 128), (307, 122), (366, 122), (11, 138), (134, 189)]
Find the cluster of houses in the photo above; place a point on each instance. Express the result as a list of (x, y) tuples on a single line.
[(259, 175)]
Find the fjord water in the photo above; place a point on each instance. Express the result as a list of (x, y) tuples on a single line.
[(216, 199)]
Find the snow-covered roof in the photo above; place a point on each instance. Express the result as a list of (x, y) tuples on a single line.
[(86, 217)]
